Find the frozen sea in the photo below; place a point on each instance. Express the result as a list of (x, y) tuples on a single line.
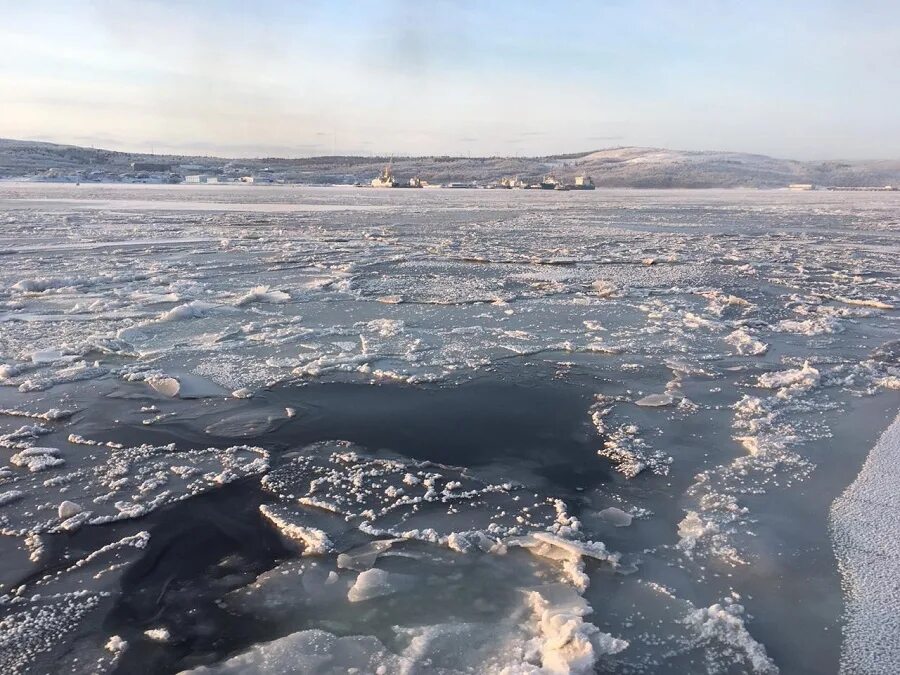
[(334, 430)]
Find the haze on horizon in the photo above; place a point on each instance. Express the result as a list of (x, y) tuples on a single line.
[(805, 80)]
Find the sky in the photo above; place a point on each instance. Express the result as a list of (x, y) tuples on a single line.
[(802, 80)]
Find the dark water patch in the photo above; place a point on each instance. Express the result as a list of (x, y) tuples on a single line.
[(540, 421), (542, 424), (199, 550)]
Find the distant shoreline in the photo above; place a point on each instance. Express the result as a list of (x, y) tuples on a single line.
[(200, 187), (620, 167)]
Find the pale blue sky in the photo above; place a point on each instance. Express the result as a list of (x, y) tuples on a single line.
[(808, 80)]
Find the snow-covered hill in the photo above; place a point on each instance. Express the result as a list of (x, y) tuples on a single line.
[(614, 167)]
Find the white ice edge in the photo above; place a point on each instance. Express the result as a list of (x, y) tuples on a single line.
[(865, 532)]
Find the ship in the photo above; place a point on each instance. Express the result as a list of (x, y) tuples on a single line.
[(386, 178), (582, 182), (512, 183), (550, 182)]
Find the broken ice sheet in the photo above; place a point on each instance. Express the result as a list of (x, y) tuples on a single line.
[(469, 561), (430, 608), (391, 496), (63, 606), (115, 483)]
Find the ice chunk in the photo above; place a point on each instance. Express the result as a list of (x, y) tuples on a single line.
[(723, 623), (158, 634), (615, 517), (167, 386), (692, 528), (36, 548), (262, 294), (374, 583), (20, 437), (42, 284), (8, 371), (385, 327), (888, 382), (192, 310), (9, 496), (315, 541), (745, 344), (811, 327), (76, 373), (387, 497), (475, 540), (51, 415), (363, 557), (116, 644), (864, 302), (719, 301), (655, 400), (791, 382), (37, 459), (120, 483), (630, 453), (567, 643), (68, 509), (46, 356), (604, 289), (570, 554)]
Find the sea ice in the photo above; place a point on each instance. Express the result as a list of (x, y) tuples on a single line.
[(193, 299)]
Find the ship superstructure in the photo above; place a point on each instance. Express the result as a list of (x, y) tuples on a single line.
[(583, 182), (512, 183), (550, 182), (386, 178)]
